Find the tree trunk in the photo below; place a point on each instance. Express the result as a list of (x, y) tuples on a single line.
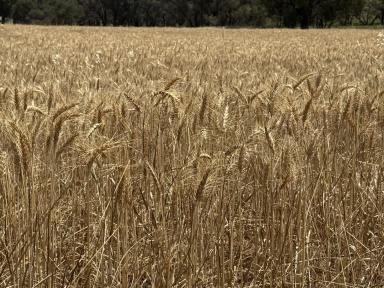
[(382, 17), (2, 19), (373, 20), (115, 21), (304, 20), (104, 19)]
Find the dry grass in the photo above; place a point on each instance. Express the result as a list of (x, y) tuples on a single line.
[(191, 158)]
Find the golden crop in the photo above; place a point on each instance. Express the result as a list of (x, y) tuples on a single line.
[(191, 157)]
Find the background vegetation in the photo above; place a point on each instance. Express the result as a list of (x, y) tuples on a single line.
[(261, 13), (191, 157)]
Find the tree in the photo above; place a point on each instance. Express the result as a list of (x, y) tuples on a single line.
[(21, 11), (91, 12), (283, 11), (371, 11), (65, 11), (325, 13), (193, 13), (5, 9)]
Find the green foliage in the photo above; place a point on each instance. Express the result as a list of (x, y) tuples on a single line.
[(65, 11), (5, 9), (22, 10), (259, 13)]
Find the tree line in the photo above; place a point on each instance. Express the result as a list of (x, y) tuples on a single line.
[(195, 13)]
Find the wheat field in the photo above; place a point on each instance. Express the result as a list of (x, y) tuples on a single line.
[(160, 157)]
